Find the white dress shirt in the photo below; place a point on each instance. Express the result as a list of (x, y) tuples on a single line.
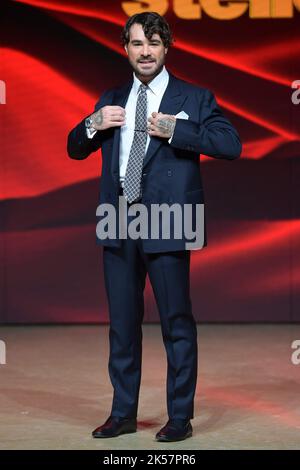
[(155, 92)]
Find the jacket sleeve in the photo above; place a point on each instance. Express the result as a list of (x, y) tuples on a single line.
[(214, 135), (79, 146)]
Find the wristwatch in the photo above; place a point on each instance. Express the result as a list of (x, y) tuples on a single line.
[(88, 122)]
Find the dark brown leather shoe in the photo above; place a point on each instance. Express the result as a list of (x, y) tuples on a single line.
[(175, 430), (114, 426)]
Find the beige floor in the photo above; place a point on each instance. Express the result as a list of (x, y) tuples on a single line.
[(55, 389)]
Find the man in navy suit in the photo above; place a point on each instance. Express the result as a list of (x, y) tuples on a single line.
[(151, 132)]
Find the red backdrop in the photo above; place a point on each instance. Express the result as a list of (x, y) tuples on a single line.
[(56, 59)]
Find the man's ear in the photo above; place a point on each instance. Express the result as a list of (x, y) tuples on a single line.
[(126, 48)]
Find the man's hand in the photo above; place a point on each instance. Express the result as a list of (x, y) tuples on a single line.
[(161, 125), (108, 116)]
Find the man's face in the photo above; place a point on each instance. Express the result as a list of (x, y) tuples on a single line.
[(146, 57)]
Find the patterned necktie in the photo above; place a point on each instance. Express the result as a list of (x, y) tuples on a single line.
[(133, 176)]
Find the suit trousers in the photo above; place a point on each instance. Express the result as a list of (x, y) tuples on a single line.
[(125, 269)]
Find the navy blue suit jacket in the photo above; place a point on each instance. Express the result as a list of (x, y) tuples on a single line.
[(171, 172)]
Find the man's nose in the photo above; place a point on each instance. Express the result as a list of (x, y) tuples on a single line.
[(146, 50)]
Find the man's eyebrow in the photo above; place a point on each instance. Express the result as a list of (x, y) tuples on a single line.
[(150, 40)]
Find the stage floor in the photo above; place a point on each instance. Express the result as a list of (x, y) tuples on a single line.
[(55, 389)]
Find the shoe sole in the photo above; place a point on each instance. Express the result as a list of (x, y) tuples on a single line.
[(115, 435), (163, 439)]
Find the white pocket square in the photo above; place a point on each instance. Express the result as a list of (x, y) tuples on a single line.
[(182, 115)]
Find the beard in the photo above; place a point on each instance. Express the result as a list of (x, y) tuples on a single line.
[(147, 71)]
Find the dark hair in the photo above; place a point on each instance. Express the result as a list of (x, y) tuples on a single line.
[(152, 23)]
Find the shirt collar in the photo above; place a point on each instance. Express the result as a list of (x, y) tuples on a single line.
[(157, 85)]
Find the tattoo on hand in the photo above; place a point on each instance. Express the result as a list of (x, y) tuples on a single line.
[(99, 117), (166, 126)]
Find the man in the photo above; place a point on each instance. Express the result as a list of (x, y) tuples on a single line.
[(151, 132)]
